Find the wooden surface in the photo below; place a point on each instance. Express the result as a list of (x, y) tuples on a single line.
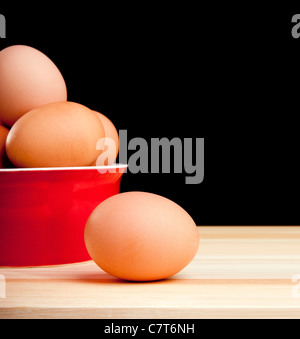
[(239, 272)]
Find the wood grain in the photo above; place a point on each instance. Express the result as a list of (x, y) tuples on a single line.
[(238, 272)]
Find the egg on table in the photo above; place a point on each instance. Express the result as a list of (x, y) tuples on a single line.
[(60, 134), (28, 79), (141, 236)]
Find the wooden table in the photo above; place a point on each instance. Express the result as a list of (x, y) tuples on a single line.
[(239, 272)]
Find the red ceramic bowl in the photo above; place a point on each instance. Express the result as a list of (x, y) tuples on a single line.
[(43, 212)]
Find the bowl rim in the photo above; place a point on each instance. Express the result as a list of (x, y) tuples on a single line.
[(40, 169)]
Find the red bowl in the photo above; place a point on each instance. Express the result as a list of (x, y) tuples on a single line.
[(43, 212)]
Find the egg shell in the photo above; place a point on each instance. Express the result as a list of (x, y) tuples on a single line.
[(141, 236), (111, 149), (28, 79), (61, 134), (4, 161)]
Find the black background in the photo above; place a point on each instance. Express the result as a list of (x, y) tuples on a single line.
[(227, 74)]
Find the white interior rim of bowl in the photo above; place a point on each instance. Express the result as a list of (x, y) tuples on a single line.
[(115, 166)]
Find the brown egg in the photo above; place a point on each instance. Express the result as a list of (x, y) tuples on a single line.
[(4, 161), (111, 147), (28, 79), (61, 134), (141, 236)]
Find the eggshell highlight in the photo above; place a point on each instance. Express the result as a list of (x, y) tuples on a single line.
[(141, 236), (61, 134), (28, 79)]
